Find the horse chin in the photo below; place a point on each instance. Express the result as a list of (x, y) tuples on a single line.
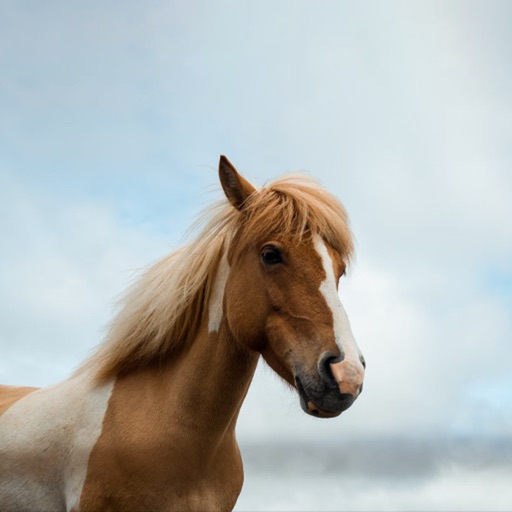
[(309, 407), (313, 410)]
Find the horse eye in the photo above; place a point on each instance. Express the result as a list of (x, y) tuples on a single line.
[(271, 255)]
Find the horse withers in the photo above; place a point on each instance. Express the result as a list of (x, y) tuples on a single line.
[(148, 421)]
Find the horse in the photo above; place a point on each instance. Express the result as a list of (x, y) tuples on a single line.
[(147, 422)]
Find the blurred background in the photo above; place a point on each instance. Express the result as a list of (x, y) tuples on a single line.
[(112, 118)]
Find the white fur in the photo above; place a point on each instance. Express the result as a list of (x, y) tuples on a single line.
[(45, 442), (215, 308), (342, 331)]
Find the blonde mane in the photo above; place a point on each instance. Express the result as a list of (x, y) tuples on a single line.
[(164, 309)]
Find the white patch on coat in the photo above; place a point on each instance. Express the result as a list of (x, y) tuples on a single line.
[(216, 306), (342, 331), (46, 439)]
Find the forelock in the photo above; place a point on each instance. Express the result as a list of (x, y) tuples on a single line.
[(296, 206)]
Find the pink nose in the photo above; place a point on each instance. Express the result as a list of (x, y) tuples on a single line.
[(349, 375)]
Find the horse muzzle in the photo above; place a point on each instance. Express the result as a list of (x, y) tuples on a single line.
[(332, 390)]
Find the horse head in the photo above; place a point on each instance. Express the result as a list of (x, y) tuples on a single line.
[(281, 297)]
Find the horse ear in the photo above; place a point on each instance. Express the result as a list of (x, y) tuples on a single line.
[(236, 188)]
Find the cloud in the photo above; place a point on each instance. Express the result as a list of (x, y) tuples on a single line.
[(374, 475), (402, 110), (64, 265)]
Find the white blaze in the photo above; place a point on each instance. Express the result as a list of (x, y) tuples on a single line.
[(215, 308), (342, 331)]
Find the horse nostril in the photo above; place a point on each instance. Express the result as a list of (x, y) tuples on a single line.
[(324, 367), (363, 362)]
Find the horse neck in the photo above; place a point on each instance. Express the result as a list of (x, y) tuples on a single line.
[(195, 395), (212, 378)]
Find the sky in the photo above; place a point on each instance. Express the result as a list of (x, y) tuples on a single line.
[(113, 116)]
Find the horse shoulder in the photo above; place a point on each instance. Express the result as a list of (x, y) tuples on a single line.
[(133, 476), (43, 462)]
